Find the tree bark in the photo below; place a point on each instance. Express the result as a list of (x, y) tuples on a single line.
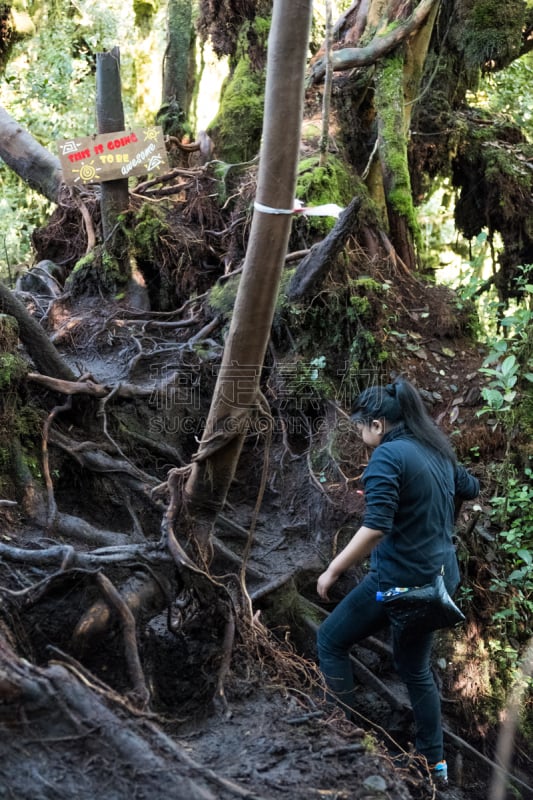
[(30, 160), (237, 388), (177, 61)]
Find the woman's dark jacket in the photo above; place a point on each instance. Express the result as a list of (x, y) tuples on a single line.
[(409, 492)]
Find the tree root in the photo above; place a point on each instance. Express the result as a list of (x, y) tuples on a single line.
[(143, 595), (130, 639)]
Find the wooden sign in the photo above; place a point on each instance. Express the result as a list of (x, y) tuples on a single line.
[(112, 156)]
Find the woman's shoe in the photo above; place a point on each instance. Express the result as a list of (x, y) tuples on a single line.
[(439, 773)]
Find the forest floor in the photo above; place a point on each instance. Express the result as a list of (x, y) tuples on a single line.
[(271, 735)]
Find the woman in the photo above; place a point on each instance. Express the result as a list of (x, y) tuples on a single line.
[(411, 483)]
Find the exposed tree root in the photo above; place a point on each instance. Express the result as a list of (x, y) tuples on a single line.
[(130, 639)]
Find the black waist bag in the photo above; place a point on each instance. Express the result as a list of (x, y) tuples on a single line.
[(423, 608)]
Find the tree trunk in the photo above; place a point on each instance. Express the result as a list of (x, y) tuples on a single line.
[(30, 160), (177, 72), (237, 389), (392, 148), (398, 53), (398, 84), (115, 197)]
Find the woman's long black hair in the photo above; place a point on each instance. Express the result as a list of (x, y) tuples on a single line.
[(399, 402)]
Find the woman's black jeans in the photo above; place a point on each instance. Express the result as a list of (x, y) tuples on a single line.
[(357, 616)]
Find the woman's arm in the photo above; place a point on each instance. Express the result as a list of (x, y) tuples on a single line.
[(466, 485), (357, 549)]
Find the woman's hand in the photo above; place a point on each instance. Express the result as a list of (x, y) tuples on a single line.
[(360, 546), (325, 582)]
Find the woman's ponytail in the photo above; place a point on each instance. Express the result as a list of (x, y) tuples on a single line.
[(418, 421)]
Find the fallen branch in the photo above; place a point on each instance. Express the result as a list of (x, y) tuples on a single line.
[(88, 387), (320, 257)]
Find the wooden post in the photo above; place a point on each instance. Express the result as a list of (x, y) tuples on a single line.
[(110, 118)]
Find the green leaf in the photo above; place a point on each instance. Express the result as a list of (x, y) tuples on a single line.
[(509, 365), (493, 397), (526, 556)]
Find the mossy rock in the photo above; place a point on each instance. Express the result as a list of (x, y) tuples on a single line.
[(97, 271)]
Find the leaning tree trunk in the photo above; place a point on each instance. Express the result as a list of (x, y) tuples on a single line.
[(30, 160), (237, 390), (41, 350)]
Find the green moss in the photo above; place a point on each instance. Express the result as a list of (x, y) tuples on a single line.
[(14, 417), (144, 12), (261, 28), (146, 231), (221, 297), (389, 105), (241, 113), (97, 271), (492, 33), (237, 128), (81, 266), (367, 284), (12, 370), (316, 185), (360, 305)]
